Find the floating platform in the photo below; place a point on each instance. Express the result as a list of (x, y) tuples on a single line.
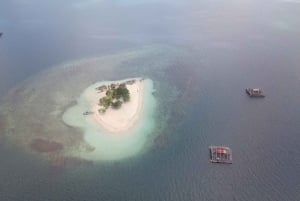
[(220, 154), (255, 92)]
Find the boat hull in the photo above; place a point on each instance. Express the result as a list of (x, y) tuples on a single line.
[(249, 91)]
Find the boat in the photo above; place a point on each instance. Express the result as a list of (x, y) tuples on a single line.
[(1, 34), (102, 88), (255, 92), (87, 113), (220, 154)]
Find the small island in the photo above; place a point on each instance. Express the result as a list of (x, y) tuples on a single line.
[(116, 95), (119, 117)]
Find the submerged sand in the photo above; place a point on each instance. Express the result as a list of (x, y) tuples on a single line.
[(120, 120)]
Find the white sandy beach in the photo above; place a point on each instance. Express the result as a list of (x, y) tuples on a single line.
[(120, 121)]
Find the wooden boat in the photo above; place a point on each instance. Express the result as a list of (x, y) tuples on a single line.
[(255, 92), (87, 113)]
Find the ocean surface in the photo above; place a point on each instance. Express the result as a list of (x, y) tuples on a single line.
[(201, 55)]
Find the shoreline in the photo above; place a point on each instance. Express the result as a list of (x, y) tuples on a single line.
[(124, 119)]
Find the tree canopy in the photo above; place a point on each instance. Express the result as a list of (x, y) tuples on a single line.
[(115, 97)]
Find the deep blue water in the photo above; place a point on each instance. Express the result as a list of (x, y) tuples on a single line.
[(233, 45)]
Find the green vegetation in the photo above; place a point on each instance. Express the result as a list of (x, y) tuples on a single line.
[(116, 104), (106, 101), (115, 97)]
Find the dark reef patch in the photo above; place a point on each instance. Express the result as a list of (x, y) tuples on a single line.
[(46, 146)]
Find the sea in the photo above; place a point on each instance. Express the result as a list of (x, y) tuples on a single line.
[(201, 55)]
